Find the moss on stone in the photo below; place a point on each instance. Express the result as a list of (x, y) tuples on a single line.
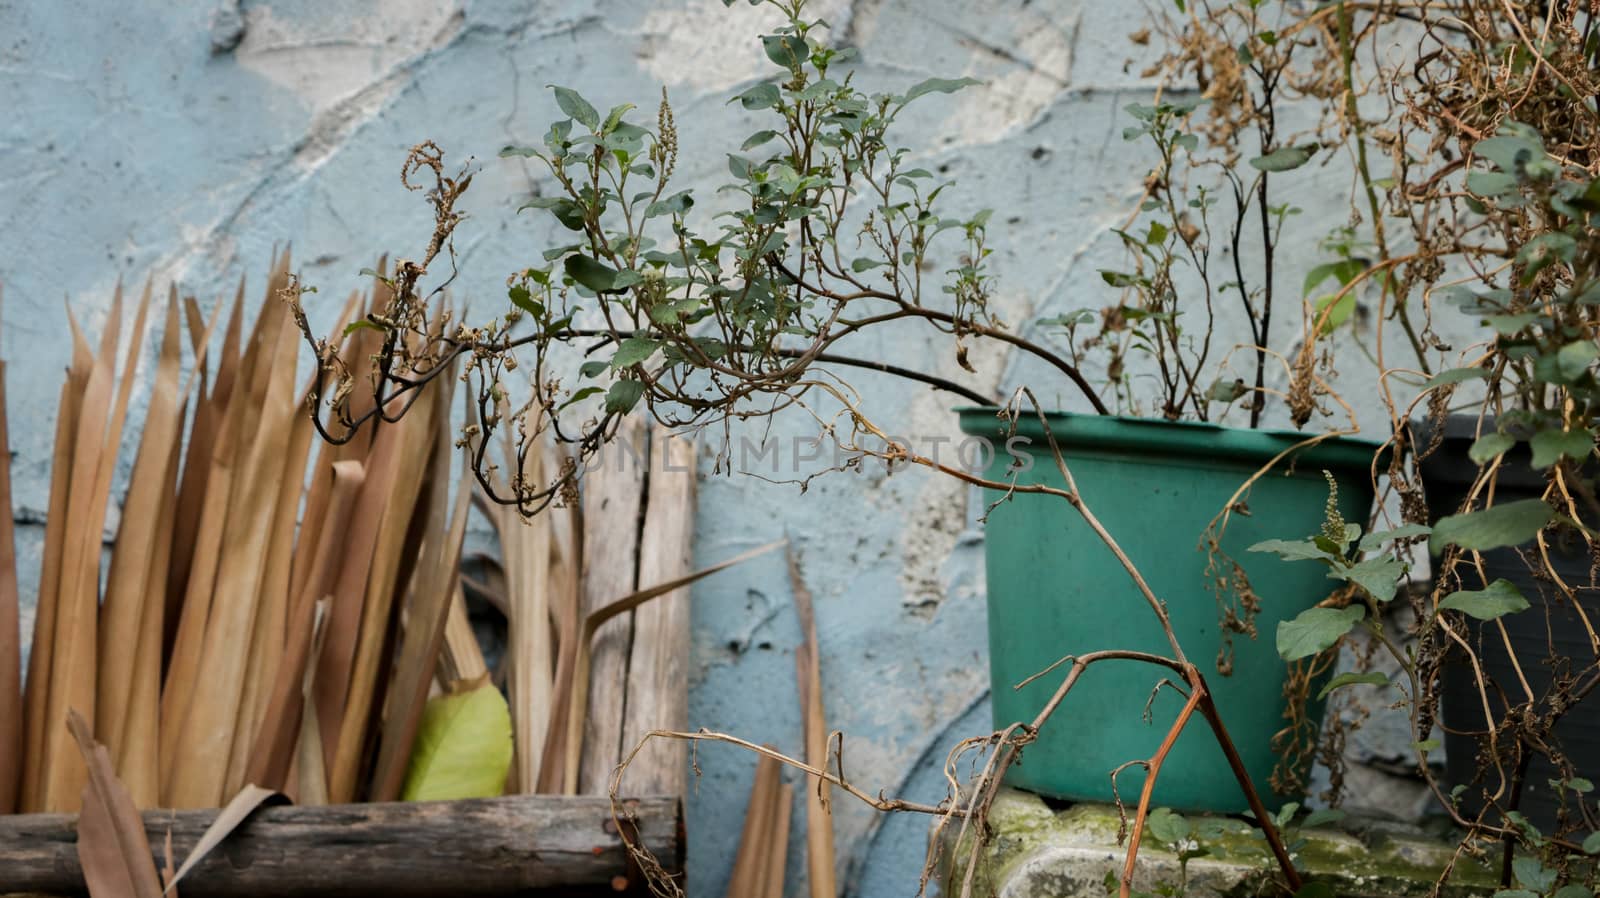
[(1038, 851)]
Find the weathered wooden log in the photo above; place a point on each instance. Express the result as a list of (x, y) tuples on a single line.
[(515, 845)]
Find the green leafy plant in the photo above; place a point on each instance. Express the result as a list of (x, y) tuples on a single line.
[(1472, 169)]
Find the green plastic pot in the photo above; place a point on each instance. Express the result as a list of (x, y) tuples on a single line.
[(1055, 589)]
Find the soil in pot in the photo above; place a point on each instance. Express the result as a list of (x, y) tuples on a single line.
[(1055, 589)]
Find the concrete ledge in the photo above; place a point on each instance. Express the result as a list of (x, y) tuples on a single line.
[(1040, 852)]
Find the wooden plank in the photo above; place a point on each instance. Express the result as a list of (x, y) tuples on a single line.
[(612, 496), (658, 674), (483, 847)]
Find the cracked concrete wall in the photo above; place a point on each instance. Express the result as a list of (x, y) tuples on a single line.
[(185, 139)]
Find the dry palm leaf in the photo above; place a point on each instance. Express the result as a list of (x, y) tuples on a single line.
[(139, 765), (139, 760), (280, 726), (525, 546), (308, 775), (72, 667), (44, 626), (126, 600), (657, 699), (10, 631), (461, 657), (749, 876), (228, 449), (778, 841), (566, 598), (112, 846), (820, 865), (416, 435), (427, 612), (337, 656), (206, 731), (272, 611), (203, 434), (235, 812)]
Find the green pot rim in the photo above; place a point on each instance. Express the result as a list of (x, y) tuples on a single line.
[(1153, 436)]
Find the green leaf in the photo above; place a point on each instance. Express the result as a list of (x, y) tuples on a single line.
[(677, 204), (573, 104), (522, 299), (361, 324), (1315, 630), (1543, 251), (1344, 270), (623, 396), (462, 748), (1315, 890), (1455, 376), (1323, 815), (591, 273), (593, 368), (787, 50), (1573, 890), (1426, 745), (1574, 359), (937, 85), (1507, 524), (1511, 324), (1491, 183), (579, 396), (1549, 446), (1342, 307), (1533, 874), (1515, 893), (1404, 531), (634, 350), (1167, 827), (1293, 550), (762, 96), (1495, 600), (614, 118), (865, 264), (1352, 678), (1484, 449), (1592, 843), (1284, 158), (757, 139), (1508, 152), (1377, 576), (569, 213)]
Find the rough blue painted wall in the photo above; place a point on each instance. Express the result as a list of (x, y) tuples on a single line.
[(185, 139)]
